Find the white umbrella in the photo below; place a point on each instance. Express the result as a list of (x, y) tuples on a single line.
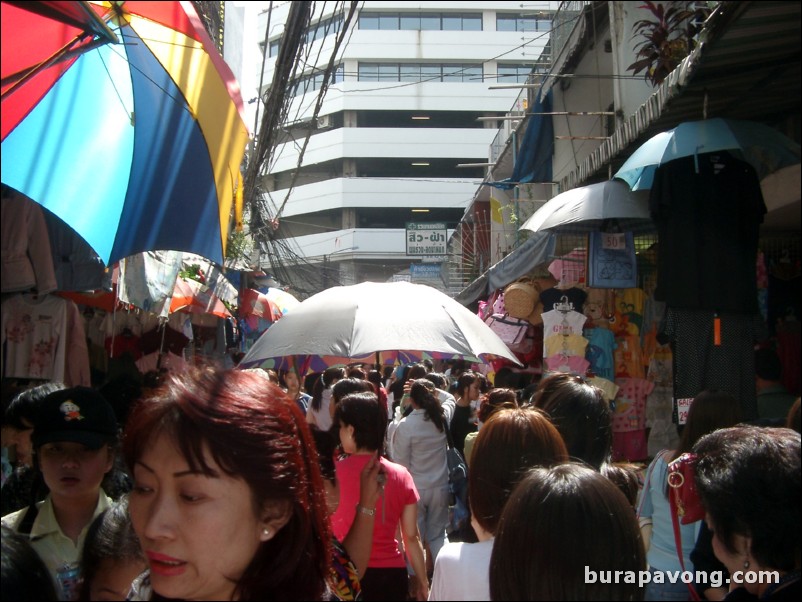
[(390, 320), (587, 207)]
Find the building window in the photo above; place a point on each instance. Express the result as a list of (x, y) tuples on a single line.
[(418, 21), (419, 72), (519, 22), (513, 74), (314, 81), (313, 33)]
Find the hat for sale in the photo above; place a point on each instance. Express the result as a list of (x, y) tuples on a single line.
[(79, 415)]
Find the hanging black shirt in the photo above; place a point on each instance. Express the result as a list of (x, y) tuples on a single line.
[(708, 223)]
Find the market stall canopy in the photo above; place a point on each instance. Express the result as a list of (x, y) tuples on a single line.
[(391, 321), (589, 207), (137, 145)]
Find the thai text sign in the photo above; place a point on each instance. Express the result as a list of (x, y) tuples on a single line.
[(425, 271), (426, 238)]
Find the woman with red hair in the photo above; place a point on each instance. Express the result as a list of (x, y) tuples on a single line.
[(228, 501)]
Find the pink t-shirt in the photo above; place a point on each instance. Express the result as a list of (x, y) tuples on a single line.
[(399, 491), (630, 404)]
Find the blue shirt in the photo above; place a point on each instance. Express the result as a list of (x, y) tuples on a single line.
[(653, 503)]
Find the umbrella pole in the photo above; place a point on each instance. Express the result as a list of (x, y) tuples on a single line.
[(161, 347)]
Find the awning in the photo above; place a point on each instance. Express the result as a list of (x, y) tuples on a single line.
[(537, 249)]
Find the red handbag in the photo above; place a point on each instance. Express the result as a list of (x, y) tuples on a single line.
[(682, 489)]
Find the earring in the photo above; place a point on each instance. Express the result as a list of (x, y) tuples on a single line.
[(746, 564), (266, 532)]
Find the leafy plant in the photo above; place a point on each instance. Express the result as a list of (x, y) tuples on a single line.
[(668, 39)]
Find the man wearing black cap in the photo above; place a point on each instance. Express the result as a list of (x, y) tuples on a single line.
[(74, 441)]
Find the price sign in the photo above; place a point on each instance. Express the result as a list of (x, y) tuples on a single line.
[(683, 405), (614, 240)]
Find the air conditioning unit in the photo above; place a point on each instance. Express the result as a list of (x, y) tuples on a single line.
[(323, 122)]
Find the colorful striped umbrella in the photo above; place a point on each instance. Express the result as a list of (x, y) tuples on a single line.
[(136, 144)]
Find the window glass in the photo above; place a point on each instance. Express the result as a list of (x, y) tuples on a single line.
[(452, 22), (472, 73), (368, 21), (368, 72), (388, 73), (430, 22), (431, 72), (452, 73), (410, 73), (388, 21), (274, 47), (472, 22), (505, 23), (410, 21)]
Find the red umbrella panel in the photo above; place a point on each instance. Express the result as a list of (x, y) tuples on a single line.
[(193, 297), (254, 303)]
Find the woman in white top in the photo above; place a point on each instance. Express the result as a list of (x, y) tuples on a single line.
[(318, 413), (419, 444), (510, 442)]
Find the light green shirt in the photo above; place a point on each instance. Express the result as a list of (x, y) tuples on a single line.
[(47, 538)]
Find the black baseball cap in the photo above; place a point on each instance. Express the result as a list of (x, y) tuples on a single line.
[(79, 414)]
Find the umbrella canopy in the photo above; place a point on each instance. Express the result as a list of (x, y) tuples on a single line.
[(766, 149), (254, 303), (587, 207), (163, 282), (136, 145), (193, 297), (282, 299), (398, 320)]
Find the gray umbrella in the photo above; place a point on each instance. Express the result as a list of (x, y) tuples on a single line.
[(588, 207), (390, 321)]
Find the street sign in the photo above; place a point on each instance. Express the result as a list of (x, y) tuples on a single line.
[(426, 238), (425, 271)]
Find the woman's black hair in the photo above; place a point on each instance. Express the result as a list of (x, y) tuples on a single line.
[(363, 412), (581, 522), (422, 394), (749, 482), (329, 376), (24, 574), (110, 536), (326, 444), (346, 386), (25, 405)]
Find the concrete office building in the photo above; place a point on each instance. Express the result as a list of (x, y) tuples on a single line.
[(400, 120)]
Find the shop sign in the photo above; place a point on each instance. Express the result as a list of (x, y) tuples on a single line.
[(426, 238), (425, 271)]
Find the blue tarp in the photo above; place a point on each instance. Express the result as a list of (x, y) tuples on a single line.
[(534, 157)]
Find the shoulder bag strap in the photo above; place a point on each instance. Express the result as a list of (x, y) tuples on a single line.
[(447, 429), (678, 541)]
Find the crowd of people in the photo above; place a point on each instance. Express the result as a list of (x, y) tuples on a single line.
[(226, 484)]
